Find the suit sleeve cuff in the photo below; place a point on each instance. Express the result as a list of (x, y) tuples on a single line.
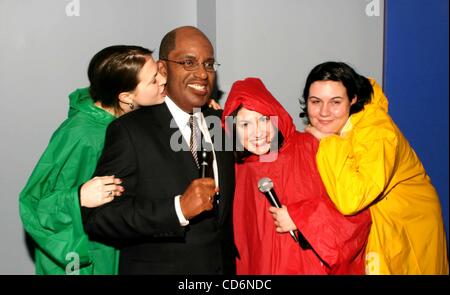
[(181, 218)]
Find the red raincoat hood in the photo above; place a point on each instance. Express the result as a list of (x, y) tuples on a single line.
[(253, 95)]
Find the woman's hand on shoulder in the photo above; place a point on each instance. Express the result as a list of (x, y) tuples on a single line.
[(214, 104), (100, 190)]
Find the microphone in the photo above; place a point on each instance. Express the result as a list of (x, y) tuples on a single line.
[(265, 185), (203, 163), (205, 156)]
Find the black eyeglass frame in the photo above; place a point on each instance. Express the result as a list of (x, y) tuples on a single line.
[(195, 64)]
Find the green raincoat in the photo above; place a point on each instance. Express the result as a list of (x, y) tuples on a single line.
[(49, 203)]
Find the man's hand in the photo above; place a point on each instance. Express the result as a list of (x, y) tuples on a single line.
[(198, 197)]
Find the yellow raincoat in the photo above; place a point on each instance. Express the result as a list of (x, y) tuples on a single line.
[(372, 164)]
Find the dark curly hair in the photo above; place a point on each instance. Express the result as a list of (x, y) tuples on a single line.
[(355, 84)]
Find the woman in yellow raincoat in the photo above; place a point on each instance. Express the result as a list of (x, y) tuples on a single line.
[(365, 161)]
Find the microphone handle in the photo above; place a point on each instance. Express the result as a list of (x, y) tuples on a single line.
[(273, 199), (204, 163), (203, 170)]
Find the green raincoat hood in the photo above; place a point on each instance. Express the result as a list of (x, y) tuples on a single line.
[(81, 101)]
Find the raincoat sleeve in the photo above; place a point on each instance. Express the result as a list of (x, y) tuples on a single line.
[(336, 239), (129, 216), (49, 203), (357, 168)]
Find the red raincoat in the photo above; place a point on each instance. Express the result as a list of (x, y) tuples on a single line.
[(338, 242)]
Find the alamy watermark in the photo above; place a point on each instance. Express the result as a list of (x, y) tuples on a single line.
[(73, 265), (225, 142), (373, 8), (73, 8), (372, 263)]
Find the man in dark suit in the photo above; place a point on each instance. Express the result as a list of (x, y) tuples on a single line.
[(168, 220)]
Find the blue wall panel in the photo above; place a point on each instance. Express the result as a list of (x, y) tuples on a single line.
[(416, 82)]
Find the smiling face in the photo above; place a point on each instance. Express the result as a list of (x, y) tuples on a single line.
[(189, 89), (150, 89), (255, 131), (328, 106)]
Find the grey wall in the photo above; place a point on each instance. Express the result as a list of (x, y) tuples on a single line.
[(281, 41), (206, 18), (44, 56)]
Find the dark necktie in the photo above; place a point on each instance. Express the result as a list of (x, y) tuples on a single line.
[(193, 141)]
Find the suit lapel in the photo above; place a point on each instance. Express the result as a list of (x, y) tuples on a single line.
[(182, 161), (220, 157), (176, 146)]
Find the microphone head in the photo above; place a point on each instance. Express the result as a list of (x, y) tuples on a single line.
[(265, 184)]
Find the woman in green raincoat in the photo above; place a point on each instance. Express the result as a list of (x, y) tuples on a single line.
[(122, 78)]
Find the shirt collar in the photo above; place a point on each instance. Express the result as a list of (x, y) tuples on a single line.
[(182, 120), (180, 116)]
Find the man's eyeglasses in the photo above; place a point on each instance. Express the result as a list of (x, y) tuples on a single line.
[(192, 65)]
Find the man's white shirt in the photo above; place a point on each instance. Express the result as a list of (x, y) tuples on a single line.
[(182, 120)]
